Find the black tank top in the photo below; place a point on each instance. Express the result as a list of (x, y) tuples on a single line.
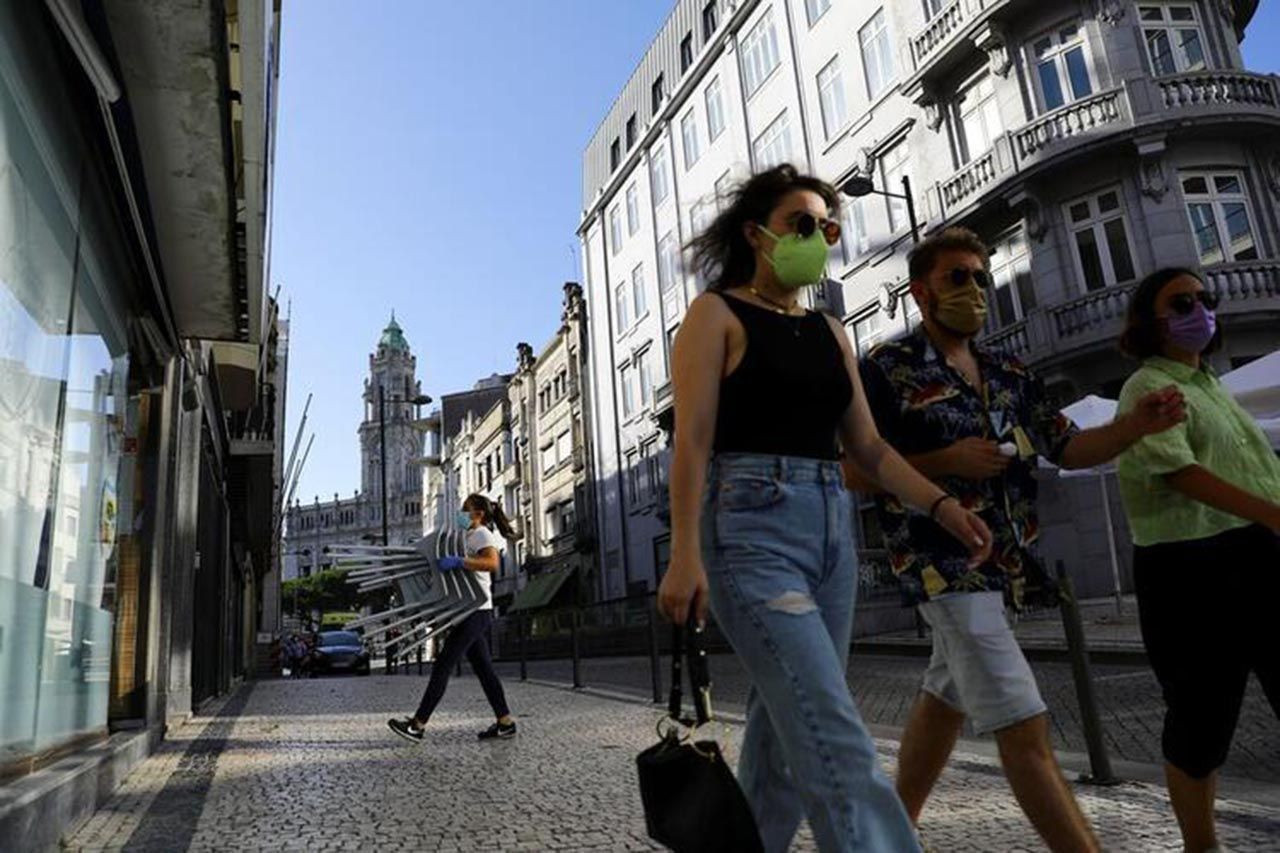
[(787, 395)]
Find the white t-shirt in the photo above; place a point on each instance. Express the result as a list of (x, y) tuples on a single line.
[(478, 539)]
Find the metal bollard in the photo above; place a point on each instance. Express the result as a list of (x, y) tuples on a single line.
[(1099, 762), (654, 674), (523, 626), (577, 662)]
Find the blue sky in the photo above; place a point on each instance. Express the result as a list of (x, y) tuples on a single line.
[(429, 161)]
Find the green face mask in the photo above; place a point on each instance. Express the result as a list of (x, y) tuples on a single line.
[(797, 261)]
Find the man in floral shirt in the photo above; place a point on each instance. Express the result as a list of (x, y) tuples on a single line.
[(977, 422)]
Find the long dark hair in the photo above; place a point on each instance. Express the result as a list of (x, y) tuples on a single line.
[(721, 253), (491, 514), (1143, 334)]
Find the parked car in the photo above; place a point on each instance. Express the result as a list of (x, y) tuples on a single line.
[(340, 651)]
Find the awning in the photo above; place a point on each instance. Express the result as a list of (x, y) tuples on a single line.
[(540, 590)]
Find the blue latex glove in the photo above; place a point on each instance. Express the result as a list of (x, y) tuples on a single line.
[(450, 564)]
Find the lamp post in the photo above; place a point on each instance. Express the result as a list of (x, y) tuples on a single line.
[(420, 400), (860, 185)]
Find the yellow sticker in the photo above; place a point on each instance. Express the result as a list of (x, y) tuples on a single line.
[(1025, 448)]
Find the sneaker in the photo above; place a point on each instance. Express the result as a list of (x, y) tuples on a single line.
[(405, 729), (498, 731)]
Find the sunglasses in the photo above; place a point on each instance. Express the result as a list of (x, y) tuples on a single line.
[(960, 276), (806, 223), (1185, 303)]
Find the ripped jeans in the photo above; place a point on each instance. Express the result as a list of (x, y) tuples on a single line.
[(777, 539)]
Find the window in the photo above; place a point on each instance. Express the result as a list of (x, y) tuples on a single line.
[(644, 473), (831, 98), (1172, 34), (1101, 239), (869, 331), (633, 210), (564, 446), (699, 218), (661, 557), (667, 266), (686, 52), (646, 378), (773, 145), (615, 154), (621, 315), (548, 458), (1062, 69), (759, 53), (877, 54), (1219, 212), (658, 92), (633, 478), (1013, 294), (724, 189), (631, 131), (932, 8), (615, 230), (893, 167), (715, 110), (854, 238), (978, 117), (628, 393), (709, 21), (658, 175), (689, 136), (815, 9), (639, 304)]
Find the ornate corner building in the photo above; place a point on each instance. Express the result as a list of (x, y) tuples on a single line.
[(1088, 142)]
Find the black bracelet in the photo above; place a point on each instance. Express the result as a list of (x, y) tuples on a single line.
[(933, 510)]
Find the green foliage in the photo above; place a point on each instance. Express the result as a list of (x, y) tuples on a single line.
[(324, 591)]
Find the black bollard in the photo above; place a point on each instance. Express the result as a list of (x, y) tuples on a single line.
[(654, 675), (577, 662), (1099, 762), (419, 660)]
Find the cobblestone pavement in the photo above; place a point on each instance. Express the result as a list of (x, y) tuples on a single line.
[(310, 765), (1129, 702)]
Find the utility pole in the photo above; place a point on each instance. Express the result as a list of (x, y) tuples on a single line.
[(382, 458)]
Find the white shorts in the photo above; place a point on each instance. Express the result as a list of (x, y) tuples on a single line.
[(977, 666)]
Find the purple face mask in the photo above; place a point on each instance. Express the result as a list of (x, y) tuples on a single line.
[(1192, 332)]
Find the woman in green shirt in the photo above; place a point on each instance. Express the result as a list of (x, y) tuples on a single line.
[(1203, 501)]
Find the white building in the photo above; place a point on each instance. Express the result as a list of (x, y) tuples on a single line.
[(358, 519), (1088, 141)]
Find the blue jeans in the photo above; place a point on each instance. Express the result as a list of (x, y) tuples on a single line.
[(777, 542)]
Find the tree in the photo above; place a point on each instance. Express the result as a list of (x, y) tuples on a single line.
[(325, 590)]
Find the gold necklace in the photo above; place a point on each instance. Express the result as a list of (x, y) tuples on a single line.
[(777, 306)]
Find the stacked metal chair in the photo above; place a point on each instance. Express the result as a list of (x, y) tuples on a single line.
[(432, 601)]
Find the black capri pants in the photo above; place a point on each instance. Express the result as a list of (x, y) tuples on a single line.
[(1207, 609)]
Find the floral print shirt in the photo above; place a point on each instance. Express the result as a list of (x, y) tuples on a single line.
[(921, 404)]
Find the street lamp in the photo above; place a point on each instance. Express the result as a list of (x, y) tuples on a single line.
[(420, 400), (860, 185)]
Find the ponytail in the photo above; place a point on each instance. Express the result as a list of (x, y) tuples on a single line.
[(493, 515)]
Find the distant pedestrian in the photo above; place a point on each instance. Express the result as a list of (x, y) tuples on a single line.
[(1203, 502), (977, 422), (766, 392), (470, 637)]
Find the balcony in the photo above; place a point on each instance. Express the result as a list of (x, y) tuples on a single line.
[(939, 31), (1141, 105), (1247, 290)]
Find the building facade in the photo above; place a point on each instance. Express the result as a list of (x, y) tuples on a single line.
[(392, 400), (1087, 141), (550, 479), (139, 386)]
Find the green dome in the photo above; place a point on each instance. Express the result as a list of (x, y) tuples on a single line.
[(393, 336)]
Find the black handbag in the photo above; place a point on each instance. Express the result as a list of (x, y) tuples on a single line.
[(691, 799)]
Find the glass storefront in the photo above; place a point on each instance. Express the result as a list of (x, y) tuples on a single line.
[(63, 394)]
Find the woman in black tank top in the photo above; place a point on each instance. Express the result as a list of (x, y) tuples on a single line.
[(766, 396)]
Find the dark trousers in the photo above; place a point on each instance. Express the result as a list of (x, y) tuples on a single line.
[(1207, 612), (467, 638)]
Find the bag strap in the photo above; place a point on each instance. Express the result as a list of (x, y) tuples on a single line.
[(687, 643)]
